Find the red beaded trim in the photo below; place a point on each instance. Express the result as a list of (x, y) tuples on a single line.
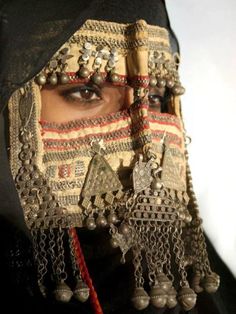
[(140, 81)]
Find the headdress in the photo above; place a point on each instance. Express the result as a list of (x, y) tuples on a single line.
[(76, 174)]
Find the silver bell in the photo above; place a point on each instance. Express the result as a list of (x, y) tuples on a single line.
[(81, 292), (158, 296), (187, 298), (62, 293), (140, 299)]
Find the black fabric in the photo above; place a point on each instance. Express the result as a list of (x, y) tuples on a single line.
[(30, 32)]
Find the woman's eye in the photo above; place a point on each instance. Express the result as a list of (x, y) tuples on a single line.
[(82, 94), (154, 100), (86, 94)]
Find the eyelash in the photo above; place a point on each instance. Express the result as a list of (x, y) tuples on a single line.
[(68, 94)]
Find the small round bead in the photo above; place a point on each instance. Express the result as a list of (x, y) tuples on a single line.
[(153, 81), (41, 79), (101, 221), (64, 78), (170, 83), (181, 215), (156, 185), (161, 83), (97, 78), (114, 243), (115, 78), (112, 218), (84, 72), (124, 229), (178, 90), (90, 223), (53, 79), (188, 218)]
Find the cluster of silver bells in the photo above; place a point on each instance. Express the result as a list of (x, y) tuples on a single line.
[(163, 294), (63, 292)]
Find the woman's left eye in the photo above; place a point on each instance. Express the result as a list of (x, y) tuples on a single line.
[(154, 100)]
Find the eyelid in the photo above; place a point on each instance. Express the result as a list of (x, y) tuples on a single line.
[(155, 95), (80, 88), (68, 93)]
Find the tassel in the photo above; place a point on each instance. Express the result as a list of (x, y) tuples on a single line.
[(84, 272)]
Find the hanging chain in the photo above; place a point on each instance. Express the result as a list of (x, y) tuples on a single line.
[(148, 239), (198, 239), (76, 272), (179, 253), (40, 255), (137, 261), (60, 260), (166, 236), (51, 248)]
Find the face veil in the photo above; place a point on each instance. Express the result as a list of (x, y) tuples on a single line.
[(125, 173)]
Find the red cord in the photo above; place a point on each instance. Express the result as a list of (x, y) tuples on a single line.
[(84, 271)]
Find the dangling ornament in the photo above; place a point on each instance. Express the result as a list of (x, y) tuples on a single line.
[(152, 225), (62, 292), (81, 291), (102, 187)]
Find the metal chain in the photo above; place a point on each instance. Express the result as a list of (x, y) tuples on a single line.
[(137, 261), (161, 250), (198, 239), (76, 271), (158, 249), (167, 232), (40, 253), (148, 240), (51, 249), (179, 253), (60, 260)]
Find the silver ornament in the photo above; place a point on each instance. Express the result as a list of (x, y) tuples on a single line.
[(81, 292), (62, 293)]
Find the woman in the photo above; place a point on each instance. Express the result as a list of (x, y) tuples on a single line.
[(96, 148)]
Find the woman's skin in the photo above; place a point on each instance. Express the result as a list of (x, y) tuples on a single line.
[(64, 103)]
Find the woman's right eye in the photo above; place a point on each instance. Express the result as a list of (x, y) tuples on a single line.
[(82, 93)]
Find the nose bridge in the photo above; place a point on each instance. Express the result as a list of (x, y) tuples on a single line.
[(129, 96)]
